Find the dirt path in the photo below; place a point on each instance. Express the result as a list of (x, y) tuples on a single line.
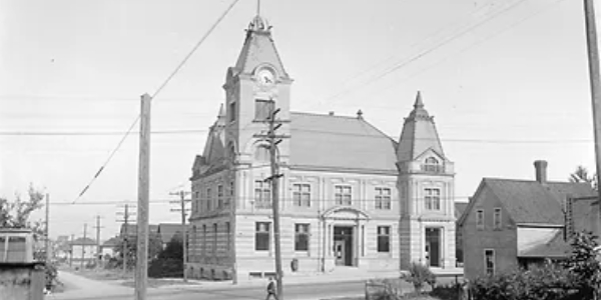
[(79, 287)]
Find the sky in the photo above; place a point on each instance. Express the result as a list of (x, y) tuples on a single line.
[(507, 82)]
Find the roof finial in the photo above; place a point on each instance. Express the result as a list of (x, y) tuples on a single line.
[(418, 100), (258, 7), (360, 115)]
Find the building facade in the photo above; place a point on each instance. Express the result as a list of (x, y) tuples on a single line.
[(350, 196)]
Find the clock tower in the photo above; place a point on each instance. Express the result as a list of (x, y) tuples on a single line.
[(255, 86)]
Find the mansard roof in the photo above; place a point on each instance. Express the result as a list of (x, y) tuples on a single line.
[(419, 134)]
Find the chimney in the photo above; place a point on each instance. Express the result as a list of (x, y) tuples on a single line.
[(541, 170), (331, 113)]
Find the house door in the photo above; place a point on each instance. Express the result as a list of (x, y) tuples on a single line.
[(433, 247), (339, 252)]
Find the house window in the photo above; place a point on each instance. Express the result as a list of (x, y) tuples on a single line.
[(497, 219), (220, 196), (431, 164), (228, 229), (262, 236), (343, 195), (489, 261), (232, 111), (432, 199), (215, 239), (209, 199), (263, 109), (383, 198), (301, 194), (480, 219), (384, 239), (301, 237), (262, 194)]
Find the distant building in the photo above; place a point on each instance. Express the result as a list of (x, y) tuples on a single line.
[(168, 231), (83, 249), (108, 248), (459, 210), (351, 196), (510, 223), (132, 229)]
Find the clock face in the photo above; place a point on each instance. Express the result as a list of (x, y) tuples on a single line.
[(265, 77)]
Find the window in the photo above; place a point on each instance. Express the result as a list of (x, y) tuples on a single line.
[(497, 219), (432, 199), (489, 261), (263, 109), (301, 237), (383, 198), (480, 219), (343, 195), (384, 239), (220, 196), (262, 236), (262, 154), (196, 202), (301, 194), (232, 111), (228, 229), (262, 194), (431, 165), (214, 238), (204, 240), (15, 249), (192, 251), (209, 199)]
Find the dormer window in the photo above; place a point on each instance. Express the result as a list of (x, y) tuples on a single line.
[(432, 165)]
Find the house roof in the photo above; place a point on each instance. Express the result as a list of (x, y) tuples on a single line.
[(419, 134), (132, 229), (557, 247), (341, 142), (169, 230), (114, 241), (459, 209), (83, 242)]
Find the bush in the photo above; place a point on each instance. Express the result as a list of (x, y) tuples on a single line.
[(419, 275), (161, 268)]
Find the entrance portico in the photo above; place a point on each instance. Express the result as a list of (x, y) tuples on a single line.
[(344, 238)]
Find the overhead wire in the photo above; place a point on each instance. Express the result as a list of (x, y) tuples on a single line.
[(161, 87)]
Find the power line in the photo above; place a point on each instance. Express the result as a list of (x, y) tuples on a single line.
[(161, 87)]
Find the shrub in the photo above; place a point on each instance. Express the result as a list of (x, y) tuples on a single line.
[(161, 268), (419, 275)]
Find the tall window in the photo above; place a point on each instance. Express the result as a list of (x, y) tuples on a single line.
[(263, 109), (301, 237), (383, 198), (489, 261), (497, 219), (209, 199), (232, 111), (204, 240), (220, 196), (214, 239), (232, 193), (301, 194), (431, 165), (197, 202), (383, 238), (262, 194), (432, 199), (228, 229), (480, 219), (343, 195), (262, 154), (262, 236), (192, 254)]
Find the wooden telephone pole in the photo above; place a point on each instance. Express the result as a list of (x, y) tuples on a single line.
[(124, 235), (98, 252), (183, 210), (595, 80), (143, 199), (274, 140), (83, 246)]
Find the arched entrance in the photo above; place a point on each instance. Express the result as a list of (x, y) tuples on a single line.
[(344, 240)]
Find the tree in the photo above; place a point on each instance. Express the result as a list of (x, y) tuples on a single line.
[(155, 246), (581, 174), (16, 214), (170, 261), (583, 263)]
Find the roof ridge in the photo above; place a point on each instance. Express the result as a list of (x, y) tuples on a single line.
[(323, 115)]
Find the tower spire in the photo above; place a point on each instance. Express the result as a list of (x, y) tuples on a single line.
[(258, 7)]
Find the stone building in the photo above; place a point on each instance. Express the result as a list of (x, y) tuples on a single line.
[(350, 196)]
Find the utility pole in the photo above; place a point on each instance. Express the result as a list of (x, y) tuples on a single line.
[(274, 140), (595, 80), (183, 210), (98, 252), (83, 245), (124, 235), (71, 252), (143, 195), (47, 228)]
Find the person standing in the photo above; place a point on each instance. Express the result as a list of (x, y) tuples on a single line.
[(271, 290)]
